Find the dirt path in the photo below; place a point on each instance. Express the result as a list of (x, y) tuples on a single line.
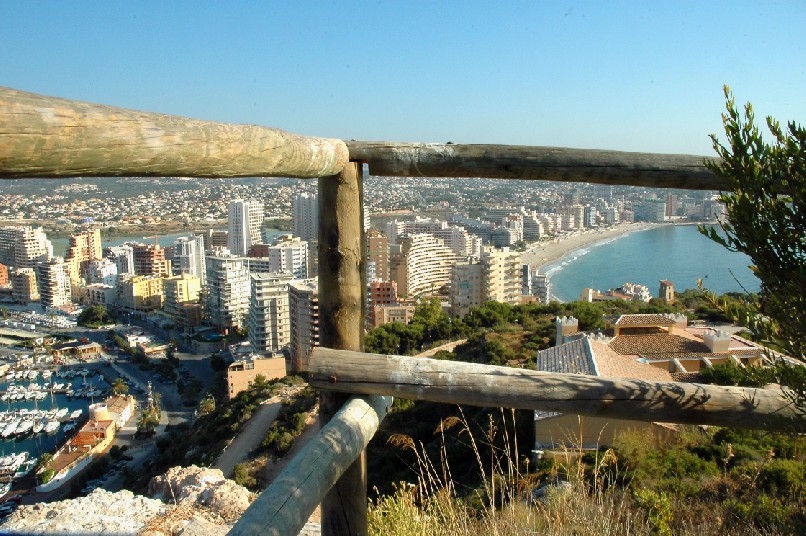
[(250, 437)]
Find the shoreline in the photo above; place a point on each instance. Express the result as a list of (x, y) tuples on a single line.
[(547, 253)]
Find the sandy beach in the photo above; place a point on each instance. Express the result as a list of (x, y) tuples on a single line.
[(544, 253)]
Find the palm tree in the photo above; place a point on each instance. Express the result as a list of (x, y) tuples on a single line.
[(119, 386), (207, 405)]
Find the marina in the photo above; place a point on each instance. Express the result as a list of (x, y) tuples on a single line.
[(41, 407)]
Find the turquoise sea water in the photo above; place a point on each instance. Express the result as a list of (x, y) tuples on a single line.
[(677, 253)]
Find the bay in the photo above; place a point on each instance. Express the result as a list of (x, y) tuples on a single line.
[(678, 253)]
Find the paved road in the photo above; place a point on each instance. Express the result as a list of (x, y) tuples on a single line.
[(250, 437)]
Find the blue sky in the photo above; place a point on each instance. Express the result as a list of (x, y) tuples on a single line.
[(633, 76)]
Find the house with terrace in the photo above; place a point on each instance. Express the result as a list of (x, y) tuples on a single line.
[(647, 347)]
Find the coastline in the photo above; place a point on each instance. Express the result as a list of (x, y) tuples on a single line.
[(545, 253)]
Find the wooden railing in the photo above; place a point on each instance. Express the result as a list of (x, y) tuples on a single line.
[(48, 137)]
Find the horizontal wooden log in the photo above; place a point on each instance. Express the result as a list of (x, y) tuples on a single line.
[(50, 137), (535, 163), (285, 506), (453, 382)]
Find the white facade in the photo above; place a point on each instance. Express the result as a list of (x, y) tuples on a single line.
[(227, 299), (102, 272), (289, 254), (303, 296), (269, 317), (245, 225), (123, 256), (305, 215), (189, 257), (53, 278), (421, 263)]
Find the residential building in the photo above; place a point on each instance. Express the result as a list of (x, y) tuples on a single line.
[(53, 279), (24, 288), (242, 373), (227, 300), (303, 298), (179, 290), (149, 259), (421, 263), (123, 257), (82, 248), (384, 314), (24, 246), (100, 294), (496, 276), (244, 224), (102, 272), (379, 293), (141, 293), (650, 210), (289, 254), (305, 218), (189, 257), (4, 280), (269, 320), (378, 254)]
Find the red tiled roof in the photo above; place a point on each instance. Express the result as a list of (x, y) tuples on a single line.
[(643, 320), (611, 364)]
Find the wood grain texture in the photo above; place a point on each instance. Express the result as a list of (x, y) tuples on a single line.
[(535, 163), (285, 506), (454, 382), (342, 299), (50, 137)]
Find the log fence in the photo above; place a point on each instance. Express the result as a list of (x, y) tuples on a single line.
[(44, 136)]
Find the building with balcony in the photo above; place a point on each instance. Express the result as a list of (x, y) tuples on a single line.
[(53, 278), (269, 319), (228, 287), (189, 257), (303, 298), (421, 263), (244, 224)]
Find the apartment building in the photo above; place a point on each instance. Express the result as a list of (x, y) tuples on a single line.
[(269, 315), (421, 263), (189, 258), (244, 224), (53, 279), (303, 297), (227, 300)]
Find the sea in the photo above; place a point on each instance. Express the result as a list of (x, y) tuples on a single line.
[(678, 253), (41, 443)]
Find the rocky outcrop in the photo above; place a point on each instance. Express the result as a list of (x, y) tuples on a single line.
[(100, 512), (204, 486), (185, 501)]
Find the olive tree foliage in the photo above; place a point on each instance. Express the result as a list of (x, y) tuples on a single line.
[(766, 221)]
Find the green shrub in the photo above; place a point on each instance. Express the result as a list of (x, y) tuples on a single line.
[(658, 508), (782, 477)]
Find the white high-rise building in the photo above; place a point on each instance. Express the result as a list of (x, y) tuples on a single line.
[(303, 297), (227, 299), (24, 247), (245, 225), (421, 263), (102, 272), (53, 279), (496, 276), (123, 256), (269, 316), (305, 213), (189, 257), (289, 254)]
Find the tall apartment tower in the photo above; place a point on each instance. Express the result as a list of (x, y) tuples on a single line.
[(122, 256), (496, 276), (31, 246), (245, 225), (289, 254), (81, 249), (305, 214), (149, 259), (53, 279), (269, 317), (421, 263), (227, 299), (303, 298), (305, 217), (24, 288), (378, 253), (189, 257)]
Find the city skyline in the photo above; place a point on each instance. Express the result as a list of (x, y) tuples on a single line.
[(624, 75)]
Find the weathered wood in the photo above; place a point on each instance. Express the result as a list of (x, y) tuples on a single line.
[(342, 297), (490, 386), (50, 137), (535, 163), (285, 506)]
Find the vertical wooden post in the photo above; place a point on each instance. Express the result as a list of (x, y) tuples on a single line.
[(342, 297)]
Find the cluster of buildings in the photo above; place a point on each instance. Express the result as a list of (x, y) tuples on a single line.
[(646, 347)]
